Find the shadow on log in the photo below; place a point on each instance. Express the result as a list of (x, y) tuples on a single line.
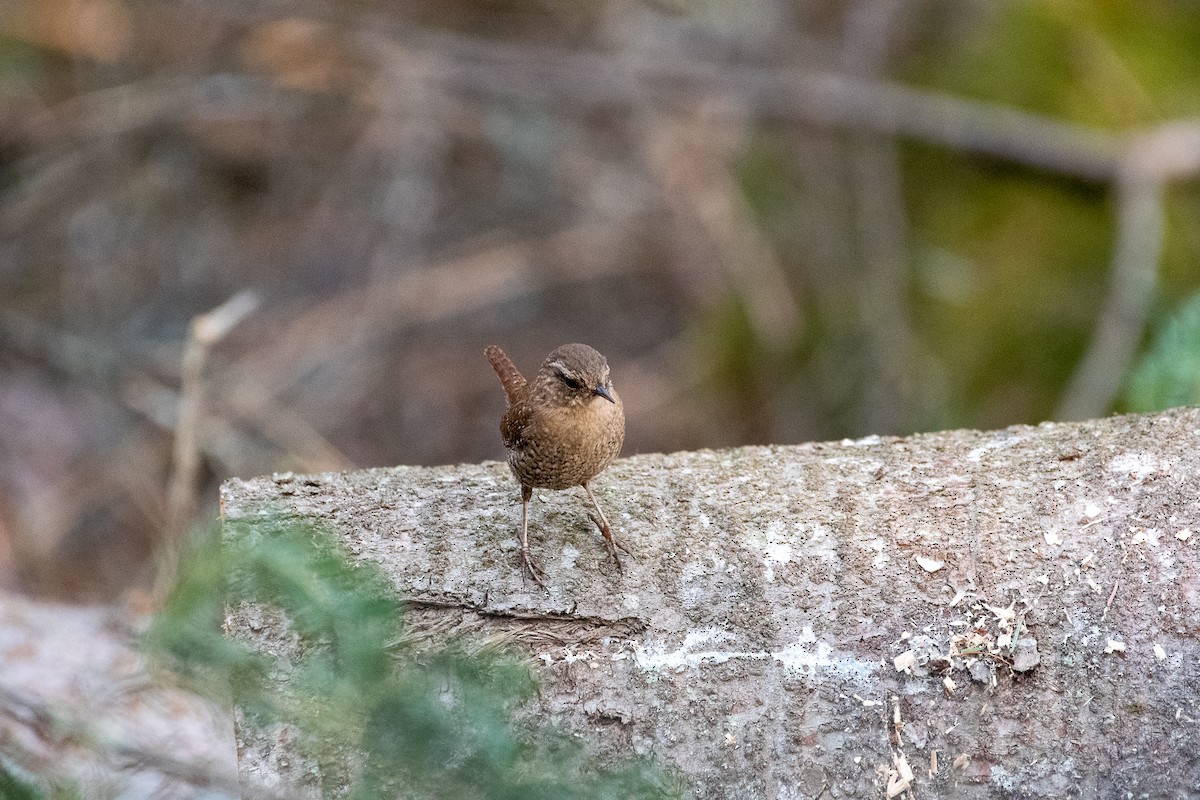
[(960, 614)]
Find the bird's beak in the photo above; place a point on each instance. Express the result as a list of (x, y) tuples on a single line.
[(603, 392)]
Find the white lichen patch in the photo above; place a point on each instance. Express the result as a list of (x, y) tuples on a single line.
[(998, 443), (1138, 465), (808, 655), (567, 557), (655, 656), (775, 553), (881, 556)]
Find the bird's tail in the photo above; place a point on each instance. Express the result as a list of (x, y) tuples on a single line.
[(510, 376)]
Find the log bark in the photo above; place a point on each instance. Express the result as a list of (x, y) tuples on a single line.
[(83, 709), (963, 614)]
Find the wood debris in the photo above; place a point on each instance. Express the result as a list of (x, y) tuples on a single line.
[(930, 565), (900, 777), (988, 637)]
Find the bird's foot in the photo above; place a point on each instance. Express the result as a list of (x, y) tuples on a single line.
[(610, 541), (533, 570)]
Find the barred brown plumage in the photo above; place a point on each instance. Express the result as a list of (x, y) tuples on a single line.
[(562, 429)]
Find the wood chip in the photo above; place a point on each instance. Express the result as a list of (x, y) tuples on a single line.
[(1114, 646), (1111, 596), (930, 564), (905, 661), (900, 778), (1004, 616)]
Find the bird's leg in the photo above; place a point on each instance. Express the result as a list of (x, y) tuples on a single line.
[(534, 571), (601, 522)]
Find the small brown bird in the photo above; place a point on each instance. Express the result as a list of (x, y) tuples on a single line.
[(561, 430)]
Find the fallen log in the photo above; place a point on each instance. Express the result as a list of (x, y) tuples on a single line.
[(962, 614)]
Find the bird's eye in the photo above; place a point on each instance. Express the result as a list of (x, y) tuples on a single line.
[(571, 382)]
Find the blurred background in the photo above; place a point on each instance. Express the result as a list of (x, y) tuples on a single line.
[(244, 237)]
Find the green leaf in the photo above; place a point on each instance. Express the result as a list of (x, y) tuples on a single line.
[(1169, 373)]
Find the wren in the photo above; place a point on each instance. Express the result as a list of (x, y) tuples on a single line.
[(561, 430)]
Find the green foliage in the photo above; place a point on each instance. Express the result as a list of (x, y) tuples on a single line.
[(1009, 269), (15, 787), (187, 634), (1169, 373), (23, 65), (1112, 64), (381, 717), (1011, 264)]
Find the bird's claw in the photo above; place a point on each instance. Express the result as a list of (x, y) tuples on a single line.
[(610, 541), (532, 569)]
